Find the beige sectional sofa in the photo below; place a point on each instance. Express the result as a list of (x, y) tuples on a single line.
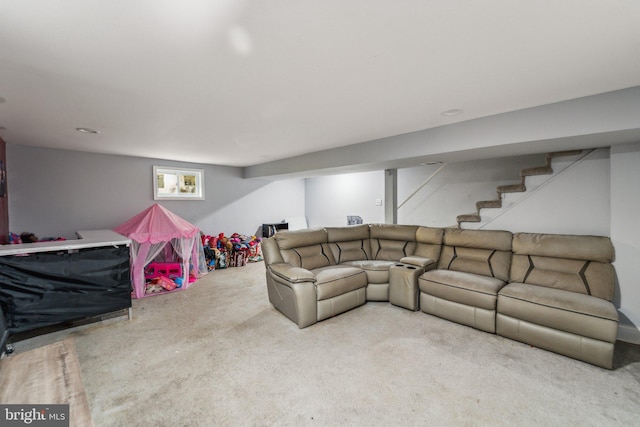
[(551, 291)]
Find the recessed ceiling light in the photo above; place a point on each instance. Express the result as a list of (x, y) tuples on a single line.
[(87, 130), (430, 163), (452, 112)]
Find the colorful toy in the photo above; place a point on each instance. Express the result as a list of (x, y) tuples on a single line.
[(169, 269), (230, 251), (222, 260), (153, 288), (165, 282), (28, 238)]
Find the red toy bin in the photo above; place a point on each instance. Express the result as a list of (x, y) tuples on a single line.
[(167, 269)]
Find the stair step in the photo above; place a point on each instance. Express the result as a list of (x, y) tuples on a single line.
[(468, 218), (563, 153), (489, 204), (509, 194), (542, 170), (513, 188)]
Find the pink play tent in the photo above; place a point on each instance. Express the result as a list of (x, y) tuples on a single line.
[(158, 232)]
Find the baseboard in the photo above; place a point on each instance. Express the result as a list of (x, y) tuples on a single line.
[(628, 333)]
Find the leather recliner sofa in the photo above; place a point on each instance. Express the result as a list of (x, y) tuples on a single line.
[(316, 274), (559, 296), (551, 291)]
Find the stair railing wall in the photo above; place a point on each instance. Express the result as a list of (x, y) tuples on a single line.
[(540, 187), (426, 181)]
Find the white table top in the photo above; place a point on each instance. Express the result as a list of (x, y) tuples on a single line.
[(86, 239)]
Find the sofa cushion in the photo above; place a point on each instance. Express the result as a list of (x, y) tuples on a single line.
[(391, 250), (374, 265), (482, 239), (377, 270), (290, 239), (343, 234), (485, 262), (337, 280), (406, 233), (271, 251), (350, 250), (587, 248), (573, 263), (333, 306), (391, 242), (292, 274), (309, 257), (483, 252), (567, 311), (585, 277), (349, 243), (465, 288), (428, 242)]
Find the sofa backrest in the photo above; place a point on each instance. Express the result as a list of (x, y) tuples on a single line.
[(579, 264), (390, 242), (484, 252), (305, 248), (429, 242), (271, 251), (349, 243)]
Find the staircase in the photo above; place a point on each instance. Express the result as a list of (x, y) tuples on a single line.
[(508, 195)]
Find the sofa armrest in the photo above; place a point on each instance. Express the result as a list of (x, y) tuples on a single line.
[(417, 261), (296, 300), (292, 274)]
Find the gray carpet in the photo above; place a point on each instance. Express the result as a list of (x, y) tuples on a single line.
[(220, 354)]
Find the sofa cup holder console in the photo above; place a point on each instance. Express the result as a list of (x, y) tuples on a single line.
[(403, 286)]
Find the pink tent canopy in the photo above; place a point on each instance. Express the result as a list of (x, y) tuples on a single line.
[(156, 224), (151, 231)]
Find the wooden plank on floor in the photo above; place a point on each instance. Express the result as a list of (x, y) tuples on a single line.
[(46, 375)]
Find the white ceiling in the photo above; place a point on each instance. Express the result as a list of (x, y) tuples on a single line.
[(241, 83)]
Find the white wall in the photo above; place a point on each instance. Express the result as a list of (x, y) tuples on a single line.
[(575, 202), (56, 192), (329, 199), (625, 233), (456, 188)]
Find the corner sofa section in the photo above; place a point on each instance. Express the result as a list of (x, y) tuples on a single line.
[(316, 274), (376, 248), (303, 280), (550, 291)]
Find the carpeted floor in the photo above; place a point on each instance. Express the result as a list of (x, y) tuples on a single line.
[(220, 354)]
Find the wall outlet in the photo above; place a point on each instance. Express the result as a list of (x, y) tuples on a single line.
[(378, 202)]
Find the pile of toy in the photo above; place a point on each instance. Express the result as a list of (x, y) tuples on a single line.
[(235, 251), (16, 239)]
